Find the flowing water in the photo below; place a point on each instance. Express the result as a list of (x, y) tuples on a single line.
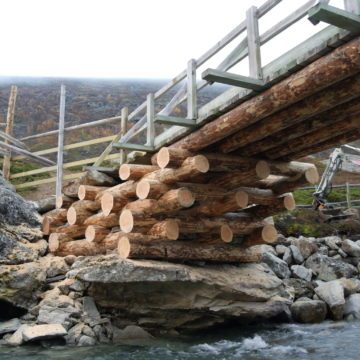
[(328, 341)]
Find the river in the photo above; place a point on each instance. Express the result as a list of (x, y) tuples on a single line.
[(328, 340)]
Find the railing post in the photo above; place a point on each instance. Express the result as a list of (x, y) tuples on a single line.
[(60, 154), (253, 43), (150, 117), (9, 129), (191, 90), (348, 195), (352, 6), (123, 130)]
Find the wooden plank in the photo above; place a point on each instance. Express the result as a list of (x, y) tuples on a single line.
[(352, 6), (60, 154), (123, 130), (224, 77), (10, 139), (71, 146), (135, 147), (334, 16), (75, 127), (255, 70), (65, 166), (150, 117), (48, 181), (191, 90), (172, 120), (9, 129)]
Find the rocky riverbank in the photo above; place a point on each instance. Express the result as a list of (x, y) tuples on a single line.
[(104, 299)]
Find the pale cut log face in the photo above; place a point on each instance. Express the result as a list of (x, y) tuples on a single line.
[(107, 203), (163, 157), (312, 176), (186, 198), (90, 233), (172, 229), (124, 172), (143, 189), (289, 202), (202, 163), (262, 169), (71, 216), (124, 247), (81, 192), (226, 234), (242, 199), (126, 221), (269, 233), (53, 243)]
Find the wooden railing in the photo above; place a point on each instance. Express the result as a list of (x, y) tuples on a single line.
[(260, 77)]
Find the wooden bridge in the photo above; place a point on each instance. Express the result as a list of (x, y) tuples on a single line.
[(212, 177)]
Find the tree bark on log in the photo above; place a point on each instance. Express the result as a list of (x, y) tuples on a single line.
[(97, 178), (52, 219), (266, 234), (166, 229), (64, 202), (151, 189), (236, 179), (72, 231), (135, 171), (78, 248), (247, 140), (71, 189), (345, 138), (185, 251), (312, 139), (89, 192), (326, 119), (45, 205), (111, 202), (341, 63), (125, 190)]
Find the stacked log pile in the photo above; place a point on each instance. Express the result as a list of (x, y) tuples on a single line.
[(181, 207)]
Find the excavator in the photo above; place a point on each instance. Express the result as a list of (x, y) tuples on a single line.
[(338, 157)]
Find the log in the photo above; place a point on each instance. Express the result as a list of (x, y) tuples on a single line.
[(295, 168), (72, 231), (86, 204), (284, 202), (89, 192), (190, 168), (283, 184), (173, 157), (97, 178), (255, 138), (321, 121), (101, 219), (77, 215), (345, 138), (312, 139), (55, 239), (71, 189), (166, 229), (215, 207), (78, 248), (45, 205), (96, 233), (185, 251), (64, 201), (111, 202), (130, 222), (266, 234), (341, 63), (52, 219), (135, 171), (171, 201), (125, 190), (151, 189)]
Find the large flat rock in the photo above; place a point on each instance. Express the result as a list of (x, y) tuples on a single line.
[(182, 296)]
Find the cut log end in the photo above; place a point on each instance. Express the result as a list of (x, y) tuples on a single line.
[(59, 202), (143, 189), (124, 172), (202, 163), (262, 169), (46, 226), (289, 202), (312, 175), (90, 233), (226, 233), (163, 157), (185, 197), (54, 242), (95, 233), (71, 216), (242, 199), (171, 229), (126, 221), (124, 247), (82, 192), (107, 203), (269, 234)]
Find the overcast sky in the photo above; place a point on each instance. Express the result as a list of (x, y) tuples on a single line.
[(126, 38)]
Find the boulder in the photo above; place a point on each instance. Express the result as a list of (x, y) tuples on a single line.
[(351, 286), (9, 326), (306, 246), (350, 248), (86, 340), (301, 272), (300, 288), (308, 311), (41, 332), (54, 265), (288, 256), (130, 332), (181, 296), (332, 242), (278, 266), (296, 254), (332, 293), (352, 306), (89, 308), (280, 249), (328, 269), (17, 338)]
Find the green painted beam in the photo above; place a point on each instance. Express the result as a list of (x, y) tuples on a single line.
[(334, 16), (133, 147), (223, 77), (173, 120)]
